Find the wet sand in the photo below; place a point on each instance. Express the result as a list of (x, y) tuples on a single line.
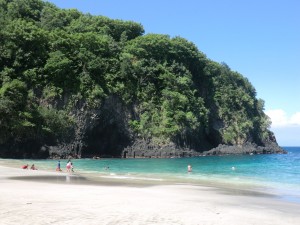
[(42, 197)]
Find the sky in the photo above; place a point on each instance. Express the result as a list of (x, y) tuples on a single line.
[(260, 39)]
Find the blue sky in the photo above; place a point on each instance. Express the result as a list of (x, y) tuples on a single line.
[(258, 38)]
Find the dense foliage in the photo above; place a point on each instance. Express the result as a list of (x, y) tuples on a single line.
[(178, 94)]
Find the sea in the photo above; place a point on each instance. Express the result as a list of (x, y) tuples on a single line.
[(276, 174)]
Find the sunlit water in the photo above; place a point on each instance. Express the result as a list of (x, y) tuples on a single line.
[(276, 173)]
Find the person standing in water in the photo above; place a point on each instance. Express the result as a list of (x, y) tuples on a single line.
[(189, 168), (68, 166), (72, 168), (58, 166)]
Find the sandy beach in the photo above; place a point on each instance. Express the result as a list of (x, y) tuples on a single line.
[(42, 197)]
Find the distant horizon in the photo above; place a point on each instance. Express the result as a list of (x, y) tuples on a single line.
[(289, 146)]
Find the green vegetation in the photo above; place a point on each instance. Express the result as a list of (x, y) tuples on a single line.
[(49, 54)]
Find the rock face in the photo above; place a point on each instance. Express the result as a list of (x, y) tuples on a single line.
[(146, 149), (269, 146), (102, 133), (30, 149), (248, 148), (105, 133)]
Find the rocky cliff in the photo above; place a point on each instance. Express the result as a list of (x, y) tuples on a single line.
[(105, 133)]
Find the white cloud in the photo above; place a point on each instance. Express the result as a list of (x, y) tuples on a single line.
[(295, 119), (286, 128), (279, 118), (287, 136)]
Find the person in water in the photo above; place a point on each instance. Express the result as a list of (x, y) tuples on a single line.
[(68, 167), (189, 168), (58, 166), (72, 168)]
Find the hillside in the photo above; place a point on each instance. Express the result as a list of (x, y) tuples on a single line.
[(78, 85)]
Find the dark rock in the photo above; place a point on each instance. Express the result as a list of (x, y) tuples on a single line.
[(247, 148), (147, 149), (20, 150)]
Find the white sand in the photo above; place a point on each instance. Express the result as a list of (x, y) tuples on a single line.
[(30, 202)]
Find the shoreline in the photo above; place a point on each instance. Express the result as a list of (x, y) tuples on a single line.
[(235, 187), (43, 197), (81, 178), (240, 186)]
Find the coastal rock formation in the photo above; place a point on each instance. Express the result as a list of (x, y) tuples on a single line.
[(248, 148), (105, 133), (146, 149)]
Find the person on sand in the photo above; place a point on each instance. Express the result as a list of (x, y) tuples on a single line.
[(25, 167), (189, 168), (33, 167)]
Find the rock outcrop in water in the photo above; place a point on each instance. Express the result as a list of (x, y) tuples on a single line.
[(77, 85)]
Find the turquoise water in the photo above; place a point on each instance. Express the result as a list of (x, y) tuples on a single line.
[(278, 173)]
